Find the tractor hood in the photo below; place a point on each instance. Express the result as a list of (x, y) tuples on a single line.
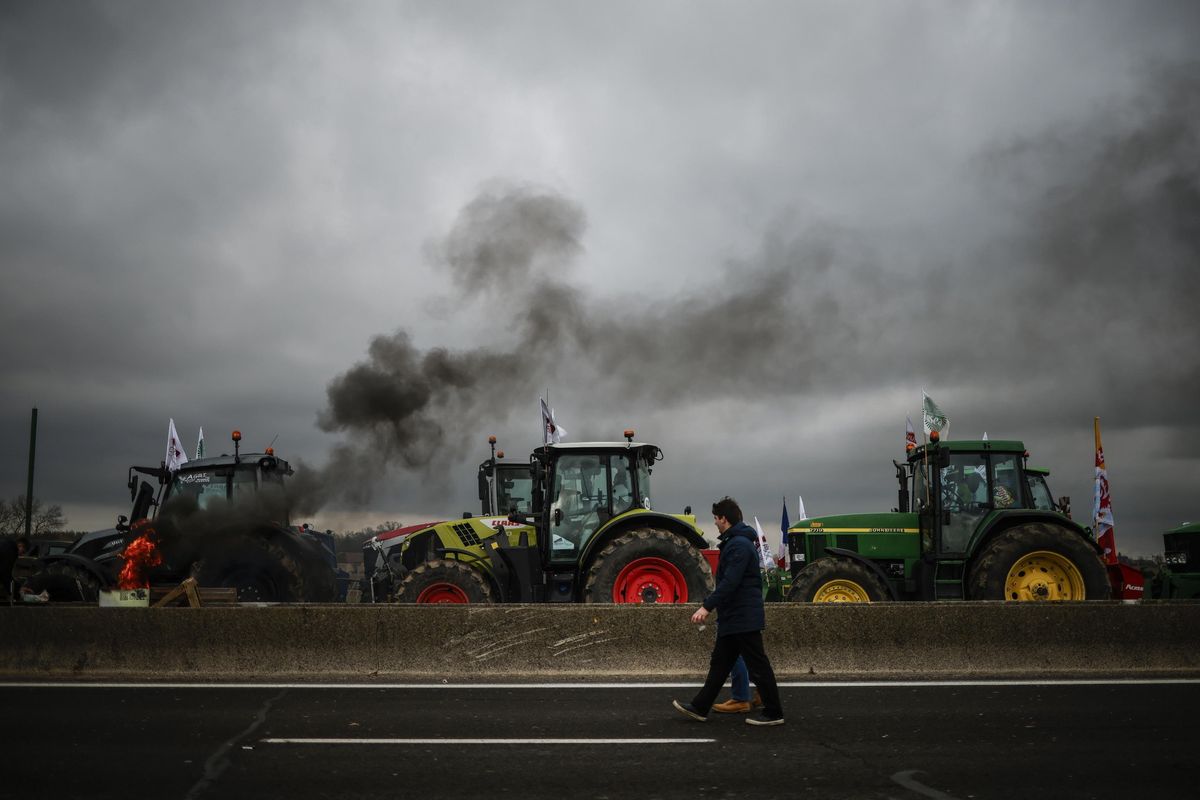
[(879, 522)]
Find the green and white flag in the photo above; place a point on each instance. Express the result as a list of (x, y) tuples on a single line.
[(935, 419), (200, 444)]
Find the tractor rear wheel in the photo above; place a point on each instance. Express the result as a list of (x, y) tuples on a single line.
[(1038, 561), (648, 566), (443, 581), (837, 580), (261, 570)]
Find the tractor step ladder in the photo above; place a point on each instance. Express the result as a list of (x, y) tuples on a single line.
[(948, 580)]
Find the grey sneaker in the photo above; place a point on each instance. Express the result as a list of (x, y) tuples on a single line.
[(688, 710), (763, 719)]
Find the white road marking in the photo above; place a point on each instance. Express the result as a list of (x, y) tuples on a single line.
[(639, 685), (907, 780), (638, 742)]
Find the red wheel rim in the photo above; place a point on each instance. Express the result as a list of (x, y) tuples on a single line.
[(442, 593), (650, 580)]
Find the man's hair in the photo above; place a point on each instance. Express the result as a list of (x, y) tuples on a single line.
[(728, 508)]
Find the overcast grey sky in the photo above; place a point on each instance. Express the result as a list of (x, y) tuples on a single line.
[(377, 232)]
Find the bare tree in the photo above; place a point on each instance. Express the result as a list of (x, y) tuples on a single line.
[(45, 519)]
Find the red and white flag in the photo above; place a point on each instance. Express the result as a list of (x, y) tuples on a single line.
[(1102, 516), (910, 436), (552, 432), (176, 456)]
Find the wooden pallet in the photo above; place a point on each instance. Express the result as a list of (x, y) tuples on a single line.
[(195, 596)]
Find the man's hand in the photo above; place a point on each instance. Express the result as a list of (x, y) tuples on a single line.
[(700, 615)]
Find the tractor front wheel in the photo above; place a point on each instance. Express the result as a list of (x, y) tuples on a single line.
[(443, 581), (1038, 561), (837, 580), (648, 566)]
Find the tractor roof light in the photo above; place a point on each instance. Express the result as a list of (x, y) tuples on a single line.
[(270, 451), (237, 436), (491, 440), (629, 434), (908, 448), (499, 454), (935, 436)]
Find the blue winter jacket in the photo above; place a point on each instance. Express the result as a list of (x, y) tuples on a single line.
[(738, 597)]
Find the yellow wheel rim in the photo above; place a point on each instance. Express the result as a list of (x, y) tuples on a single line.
[(1043, 575), (841, 590)]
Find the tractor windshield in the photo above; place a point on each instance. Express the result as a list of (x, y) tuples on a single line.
[(514, 488), (224, 484)]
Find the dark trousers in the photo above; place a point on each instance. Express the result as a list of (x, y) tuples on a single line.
[(749, 646)]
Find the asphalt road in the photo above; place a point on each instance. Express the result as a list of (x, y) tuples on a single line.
[(902, 741)]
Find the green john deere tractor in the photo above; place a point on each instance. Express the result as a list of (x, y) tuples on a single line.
[(590, 537), (973, 522), (1179, 577)]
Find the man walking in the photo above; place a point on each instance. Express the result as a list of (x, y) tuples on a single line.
[(737, 599)]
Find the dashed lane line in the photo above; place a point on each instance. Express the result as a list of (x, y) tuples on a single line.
[(418, 742)]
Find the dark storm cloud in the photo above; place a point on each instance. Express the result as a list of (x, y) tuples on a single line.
[(816, 309), (212, 208), (1106, 270)]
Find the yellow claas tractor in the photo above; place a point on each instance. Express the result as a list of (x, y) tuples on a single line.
[(590, 536)]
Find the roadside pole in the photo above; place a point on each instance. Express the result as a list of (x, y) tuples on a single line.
[(29, 485)]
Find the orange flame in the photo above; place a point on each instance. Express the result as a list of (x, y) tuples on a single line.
[(140, 555)]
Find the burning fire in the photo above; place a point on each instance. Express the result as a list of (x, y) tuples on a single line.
[(140, 555)]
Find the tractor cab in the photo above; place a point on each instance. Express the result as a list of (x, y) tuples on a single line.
[(504, 488), (583, 486), (955, 486), (1179, 577), (208, 483)]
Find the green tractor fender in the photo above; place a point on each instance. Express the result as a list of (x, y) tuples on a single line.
[(639, 518), (1000, 521)]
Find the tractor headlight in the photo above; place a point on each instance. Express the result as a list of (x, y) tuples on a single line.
[(1175, 558), (797, 558)]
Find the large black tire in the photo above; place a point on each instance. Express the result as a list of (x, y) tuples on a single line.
[(648, 565), (837, 580), (261, 570), (1038, 561), (443, 581), (65, 583)]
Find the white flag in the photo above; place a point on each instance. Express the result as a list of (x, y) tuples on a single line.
[(200, 444), (552, 432), (985, 436), (176, 457), (934, 418), (800, 509), (765, 560)]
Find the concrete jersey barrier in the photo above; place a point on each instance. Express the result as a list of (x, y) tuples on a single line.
[(580, 642)]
